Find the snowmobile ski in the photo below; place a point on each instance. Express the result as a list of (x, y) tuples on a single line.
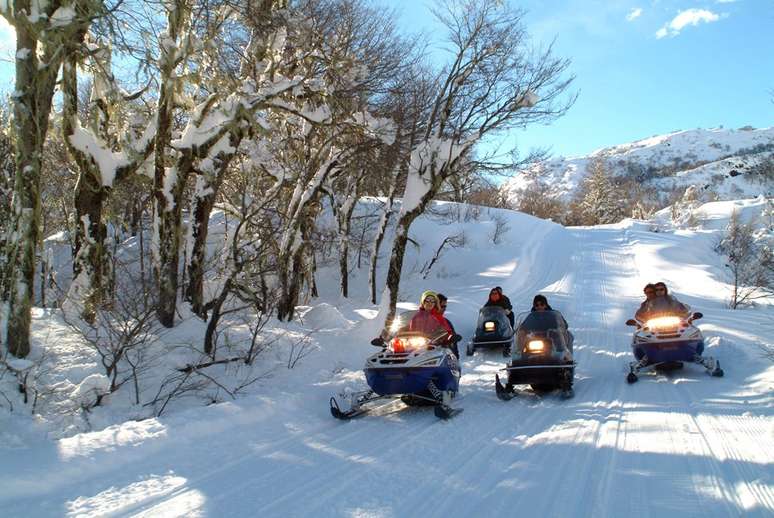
[(502, 392), (345, 415), (445, 411)]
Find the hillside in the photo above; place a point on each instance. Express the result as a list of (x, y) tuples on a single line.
[(670, 445), (719, 162)]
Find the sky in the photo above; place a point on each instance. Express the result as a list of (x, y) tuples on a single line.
[(642, 68), (645, 68)]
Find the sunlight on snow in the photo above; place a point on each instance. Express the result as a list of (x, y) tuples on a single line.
[(127, 434), (188, 504), (124, 499), (645, 432), (360, 459), (360, 512), (746, 495), (501, 270), (366, 313)]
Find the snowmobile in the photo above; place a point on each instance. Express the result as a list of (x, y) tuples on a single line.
[(493, 329), (664, 342), (542, 356), (417, 369)]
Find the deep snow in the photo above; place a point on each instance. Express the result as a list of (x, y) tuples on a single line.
[(678, 445)]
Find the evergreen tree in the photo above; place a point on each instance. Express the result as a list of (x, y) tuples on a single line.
[(600, 199)]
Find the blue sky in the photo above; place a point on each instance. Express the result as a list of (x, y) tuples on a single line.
[(643, 67), (646, 67)]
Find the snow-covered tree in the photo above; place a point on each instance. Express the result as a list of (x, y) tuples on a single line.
[(493, 82), (103, 159), (43, 32)]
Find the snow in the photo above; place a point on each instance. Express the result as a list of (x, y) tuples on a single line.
[(63, 16), (23, 53), (107, 160), (707, 159), (670, 445), (90, 388)]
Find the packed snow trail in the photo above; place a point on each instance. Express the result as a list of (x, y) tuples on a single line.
[(678, 445)]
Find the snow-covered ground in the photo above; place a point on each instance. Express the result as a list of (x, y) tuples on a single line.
[(683, 444)]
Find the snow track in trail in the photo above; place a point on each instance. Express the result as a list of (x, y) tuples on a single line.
[(682, 444)]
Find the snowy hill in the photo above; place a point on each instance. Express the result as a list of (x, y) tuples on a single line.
[(719, 162), (682, 444)]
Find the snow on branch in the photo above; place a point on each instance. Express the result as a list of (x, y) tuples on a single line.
[(433, 154), (89, 144), (377, 127)]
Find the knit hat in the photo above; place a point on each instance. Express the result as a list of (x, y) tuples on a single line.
[(426, 294)]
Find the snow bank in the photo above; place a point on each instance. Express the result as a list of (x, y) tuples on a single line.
[(323, 316)]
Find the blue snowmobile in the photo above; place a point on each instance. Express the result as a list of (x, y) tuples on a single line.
[(493, 330), (414, 367), (542, 356), (664, 341)]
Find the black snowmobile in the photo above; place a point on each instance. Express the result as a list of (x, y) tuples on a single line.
[(493, 330), (542, 356)]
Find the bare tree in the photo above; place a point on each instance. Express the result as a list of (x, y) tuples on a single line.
[(751, 264), (493, 83)]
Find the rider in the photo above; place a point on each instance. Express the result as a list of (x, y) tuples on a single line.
[(650, 295), (540, 303), (496, 298), (442, 302), (429, 319), (664, 302)]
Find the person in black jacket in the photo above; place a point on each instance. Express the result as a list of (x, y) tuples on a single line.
[(540, 303), (442, 302), (496, 298)]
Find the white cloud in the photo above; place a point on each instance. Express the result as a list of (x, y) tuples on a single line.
[(634, 14), (684, 18)]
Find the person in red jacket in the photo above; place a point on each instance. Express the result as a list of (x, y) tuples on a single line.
[(429, 320)]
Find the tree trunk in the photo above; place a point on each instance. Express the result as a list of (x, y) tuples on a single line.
[(201, 208), (399, 251), (345, 221), (202, 203), (168, 216), (31, 108), (383, 223), (290, 285), (90, 232), (212, 324)]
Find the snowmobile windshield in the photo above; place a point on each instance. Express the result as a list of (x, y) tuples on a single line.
[(493, 314), (542, 321), (401, 322), (547, 323)]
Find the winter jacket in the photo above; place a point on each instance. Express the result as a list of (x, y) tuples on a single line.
[(430, 323), (504, 302), (661, 305)]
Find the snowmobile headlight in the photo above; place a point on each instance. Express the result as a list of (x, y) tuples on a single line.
[(536, 346), (407, 344), (663, 322), (416, 342), (489, 327)]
